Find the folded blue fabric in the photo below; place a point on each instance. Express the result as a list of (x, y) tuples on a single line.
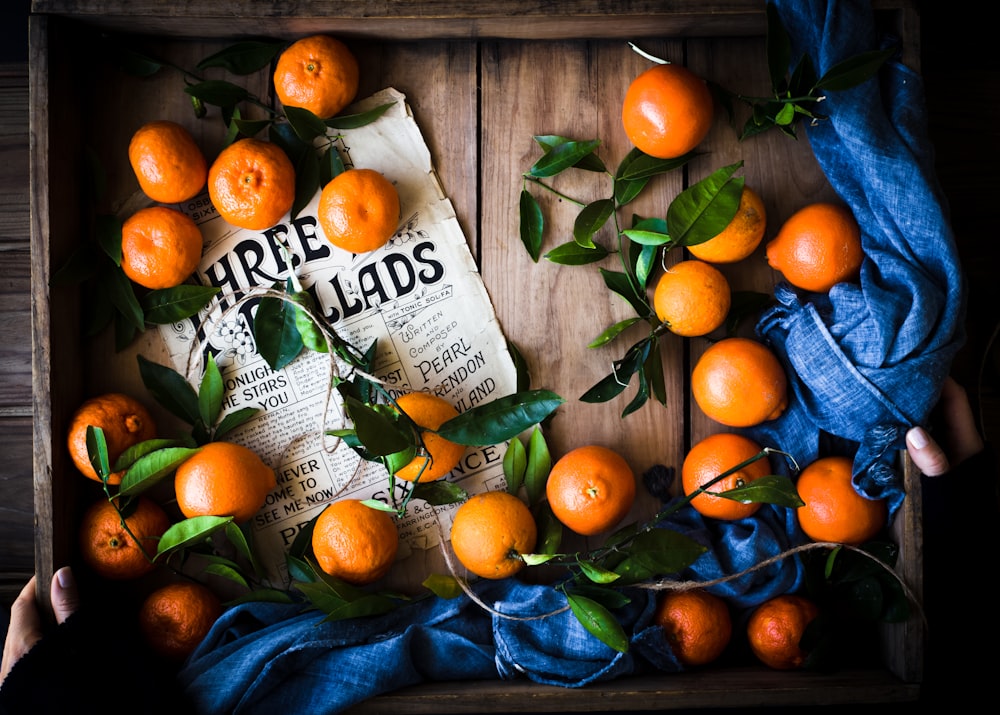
[(867, 361)]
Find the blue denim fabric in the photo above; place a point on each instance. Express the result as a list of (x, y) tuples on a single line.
[(867, 361)]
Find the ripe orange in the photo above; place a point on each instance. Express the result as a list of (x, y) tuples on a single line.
[(775, 629), (169, 165), (161, 247), (108, 548), (490, 532), (741, 237), (692, 298), (252, 184), (359, 210), (318, 73), (125, 422), (697, 624), (834, 510), (176, 617), (817, 247), (711, 457), (223, 479), (429, 412), (590, 489), (354, 542), (739, 382), (667, 111)]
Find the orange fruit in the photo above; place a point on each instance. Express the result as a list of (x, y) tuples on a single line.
[(739, 382), (834, 510), (590, 489), (318, 73), (359, 210), (429, 412), (169, 165), (252, 184), (176, 617), (667, 111), (817, 247), (125, 421), (223, 479), (711, 457), (692, 298), (697, 624), (354, 542), (775, 629), (489, 533), (108, 547), (161, 247), (741, 237)]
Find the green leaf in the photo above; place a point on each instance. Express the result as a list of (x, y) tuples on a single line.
[(278, 340), (122, 295), (131, 455), (639, 166), (539, 465), (573, 254), (170, 389), (622, 370), (641, 394), (260, 595), (440, 492), (210, 392), (550, 529), (190, 531), (307, 174), (590, 162), (613, 332), (248, 127), (243, 58), (227, 572), (239, 541), (135, 63), (647, 238), (785, 115), (656, 553), (605, 389), (108, 232), (608, 597), (590, 220), (855, 70), (532, 224), (353, 121), (501, 419), (562, 157), (653, 371), (234, 420), (769, 489), (703, 210), (171, 305), (152, 468), (299, 569), (443, 586), (97, 449), (536, 559), (378, 428), (330, 165), (310, 331), (515, 462), (597, 574), (218, 92), (620, 283), (306, 125), (368, 605), (599, 621)]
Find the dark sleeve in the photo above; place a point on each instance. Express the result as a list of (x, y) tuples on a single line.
[(90, 664)]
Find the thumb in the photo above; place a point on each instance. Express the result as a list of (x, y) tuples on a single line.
[(64, 594), (926, 454)]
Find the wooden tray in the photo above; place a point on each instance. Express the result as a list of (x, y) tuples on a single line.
[(482, 79)]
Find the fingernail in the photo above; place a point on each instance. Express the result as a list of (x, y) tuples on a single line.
[(917, 438), (65, 577)]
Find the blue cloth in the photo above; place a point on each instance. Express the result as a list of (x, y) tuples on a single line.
[(865, 363)]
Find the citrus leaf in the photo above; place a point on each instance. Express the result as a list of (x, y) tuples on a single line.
[(536, 559), (562, 157), (210, 392), (368, 605), (227, 572), (127, 458), (135, 63), (217, 92), (278, 340), (248, 127), (306, 125), (520, 367), (170, 389), (260, 595), (597, 574), (646, 238), (501, 419), (330, 165), (854, 70), (590, 162), (243, 58), (190, 531), (353, 121), (239, 541), (234, 419), (122, 295), (613, 332), (539, 464), (310, 331), (443, 586), (532, 224), (608, 597), (599, 621), (619, 283), (652, 370), (704, 209), (299, 569), (378, 431), (641, 394), (769, 489), (439, 492), (550, 529), (622, 370), (108, 231), (97, 449), (152, 468), (515, 462), (590, 220), (604, 390), (658, 552), (639, 166), (573, 254), (170, 305), (307, 173)]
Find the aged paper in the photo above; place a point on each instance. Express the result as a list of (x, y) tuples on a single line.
[(421, 297)]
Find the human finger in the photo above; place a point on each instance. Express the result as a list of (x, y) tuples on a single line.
[(961, 434), (64, 594), (927, 455), (25, 628)]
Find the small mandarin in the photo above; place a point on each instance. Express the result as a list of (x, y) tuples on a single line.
[(738, 382), (161, 247), (834, 510), (169, 165), (318, 73), (174, 619), (590, 489), (490, 532), (667, 111), (252, 184), (692, 298), (359, 210), (741, 237), (108, 547), (817, 247), (429, 412), (713, 456), (355, 543), (775, 630), (697, 625), (223, 479), (125, 422)]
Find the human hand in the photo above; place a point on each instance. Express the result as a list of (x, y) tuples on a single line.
[(25, 622), (961, 438)]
